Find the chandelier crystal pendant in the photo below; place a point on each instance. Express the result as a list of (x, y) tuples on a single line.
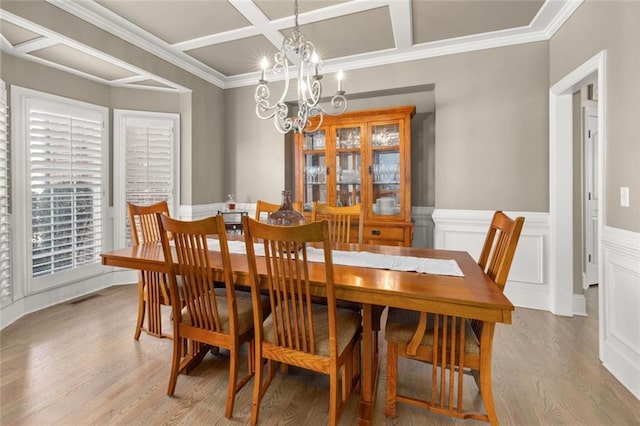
[(300, 54)]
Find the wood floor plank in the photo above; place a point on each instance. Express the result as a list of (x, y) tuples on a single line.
[(77, 364)]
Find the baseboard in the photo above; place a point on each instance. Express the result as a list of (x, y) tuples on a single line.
[(37, 301), (624, 369), (579, 305)]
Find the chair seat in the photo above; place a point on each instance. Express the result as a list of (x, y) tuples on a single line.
[(402, 323), (348, 321), (245, 310)]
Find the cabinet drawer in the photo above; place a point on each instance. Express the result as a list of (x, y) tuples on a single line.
[(387, 234)]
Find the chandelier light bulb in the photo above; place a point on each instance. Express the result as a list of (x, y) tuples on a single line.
[(264, 64), (315, 60)]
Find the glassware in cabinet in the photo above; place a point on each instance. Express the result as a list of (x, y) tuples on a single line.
[(386, 183), (386, 169), (314, 141), (347, 137), (385, 135), (348, 178), (315, 179), (348, 162)]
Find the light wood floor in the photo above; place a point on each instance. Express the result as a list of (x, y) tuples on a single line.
[(77, 364)]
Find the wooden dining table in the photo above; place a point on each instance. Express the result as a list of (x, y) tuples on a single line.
[(474, 296)]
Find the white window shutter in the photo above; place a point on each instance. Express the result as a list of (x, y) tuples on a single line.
[(66, 177), (6, 290), (147, 144), (149, 165)]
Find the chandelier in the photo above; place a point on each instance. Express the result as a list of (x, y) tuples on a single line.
[(301, 54)]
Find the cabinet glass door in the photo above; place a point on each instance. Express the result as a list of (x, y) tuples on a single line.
[(315, 169), (386, 173), (348, 162)]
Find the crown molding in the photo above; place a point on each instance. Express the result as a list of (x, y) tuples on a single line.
[(50, 38), (560, 16), (546, 23), (105, 19)]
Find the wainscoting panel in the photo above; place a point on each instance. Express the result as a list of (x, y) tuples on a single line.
[(528, 284), (621, 308)]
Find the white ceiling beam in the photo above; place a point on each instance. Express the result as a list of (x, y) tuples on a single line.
[(258, 20), (35, 44), (401, 23)]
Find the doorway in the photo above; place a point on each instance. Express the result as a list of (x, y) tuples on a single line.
[(590, 195), (561, 188)]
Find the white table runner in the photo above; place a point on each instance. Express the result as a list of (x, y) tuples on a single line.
[(365, 259)]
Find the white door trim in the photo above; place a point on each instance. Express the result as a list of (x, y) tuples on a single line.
[(560, 182)]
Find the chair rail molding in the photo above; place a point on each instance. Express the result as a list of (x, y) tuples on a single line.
[(620, 318), (528, 284)]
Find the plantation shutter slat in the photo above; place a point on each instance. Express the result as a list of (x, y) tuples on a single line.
[(149, 164), (66, 173), (149, 169), (6, 290)]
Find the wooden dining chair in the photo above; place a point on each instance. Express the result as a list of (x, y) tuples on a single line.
[(268, 208), (340, 220), (216, 316), (453, 345), (317, 337), (153, 289)]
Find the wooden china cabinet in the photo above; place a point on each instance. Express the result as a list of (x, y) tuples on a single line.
[(361, 157)]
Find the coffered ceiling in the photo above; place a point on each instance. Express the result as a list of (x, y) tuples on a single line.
[(223, 41)]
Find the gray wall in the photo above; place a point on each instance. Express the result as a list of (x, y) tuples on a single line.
[(491, 125), (31, 75), (201, 110), (613, 26), (16, 71)]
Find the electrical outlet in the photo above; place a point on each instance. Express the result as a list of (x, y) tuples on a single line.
[(624, 196)]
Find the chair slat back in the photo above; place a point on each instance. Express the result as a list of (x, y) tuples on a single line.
[(340, 221), (500, 247), (268, 208), (265, 207), (194, 267), (287, 281), (144, 222)]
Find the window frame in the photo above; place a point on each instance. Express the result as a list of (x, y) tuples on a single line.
[(21, 190)]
